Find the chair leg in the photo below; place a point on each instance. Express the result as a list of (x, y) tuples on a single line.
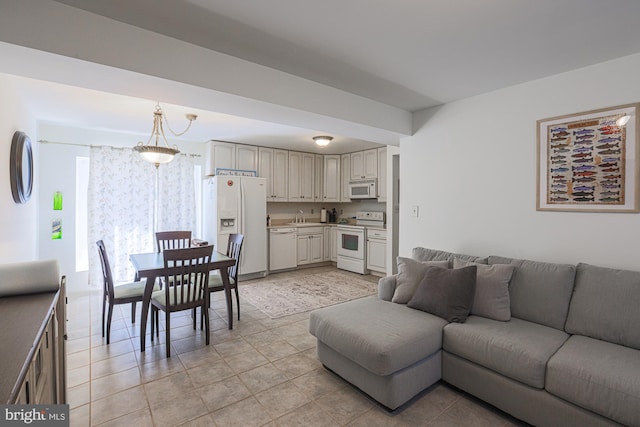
[(133, 312), (238, 302), (153, 313), (167, 333), (157, 323), (109, 315), (194, 319), (104, 304), (206, 323)]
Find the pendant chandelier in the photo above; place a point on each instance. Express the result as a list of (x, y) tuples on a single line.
[(160, 153)]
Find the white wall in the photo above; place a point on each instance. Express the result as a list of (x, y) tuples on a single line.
[(471, 169), (17, 222)]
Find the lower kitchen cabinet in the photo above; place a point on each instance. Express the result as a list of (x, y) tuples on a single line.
[(310, 248), (377, 250)]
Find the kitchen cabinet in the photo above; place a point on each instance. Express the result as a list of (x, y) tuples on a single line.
[(382, 174), (318, 178), (377, 250), (331, 179), (345, 177), (364, 164), (333, 243), (274, 166), (301, 176), (310, 245), (220, 155), (227, 155), (326, 250), (246, 157)]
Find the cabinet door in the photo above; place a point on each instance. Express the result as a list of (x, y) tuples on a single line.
[(295, 166), (265, 170), (331, 178), (357, 165), (220, 155), (376, 256), (280, 173), (370, 163), (306, 177), (304, 255), (333, 243), (382, 174), (246, 157), (326, 247), (318, 177), (315, 248), (345, 164)]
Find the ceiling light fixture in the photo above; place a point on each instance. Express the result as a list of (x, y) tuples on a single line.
[(322, 141), (157, 153)]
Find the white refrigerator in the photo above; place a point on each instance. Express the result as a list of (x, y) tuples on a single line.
[(237, 204)]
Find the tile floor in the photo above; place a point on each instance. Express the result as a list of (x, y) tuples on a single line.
[(264, 372)]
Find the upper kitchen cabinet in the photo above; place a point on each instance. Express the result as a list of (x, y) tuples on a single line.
[(331, 179), (301, 176), (318, 179), (382, 174), (246, 157), (227, 155), (274, 166), (364, 164), (345, 177)]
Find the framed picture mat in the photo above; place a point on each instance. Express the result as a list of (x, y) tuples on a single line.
[(587, 163)]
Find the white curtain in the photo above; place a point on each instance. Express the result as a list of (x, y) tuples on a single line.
[(121, 199)]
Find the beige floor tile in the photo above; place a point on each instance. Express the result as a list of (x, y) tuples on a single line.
[(378, 418), (107, 351), (201, 356), (160, 368), (115, 383), (113, 365), (169, 388), (318, 383), (277, 350), (307, 415), (344, 405), (208, 374), (282, 399), (467, 412), (303, 341), (223, 393), (231, 347), (80, 417), (80, 344), (117, 405), (78, 376), (140, 418), (296, 364), (78, 359), (246, 361), (203, 421), (79, 395), (181, 408), (262, 378), (246, 413)]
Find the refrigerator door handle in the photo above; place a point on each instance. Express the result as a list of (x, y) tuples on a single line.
[(242, 207)]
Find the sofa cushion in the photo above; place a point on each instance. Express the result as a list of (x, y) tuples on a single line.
[(491, 298), (425, 254), (539, 292), (599, 376), (380, 336), (446, 293), (410, 273), (606, 305), (516, 349)]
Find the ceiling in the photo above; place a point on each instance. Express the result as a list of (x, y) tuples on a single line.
[(410, 54)]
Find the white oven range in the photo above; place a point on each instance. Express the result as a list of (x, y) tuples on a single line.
[(352, 241)]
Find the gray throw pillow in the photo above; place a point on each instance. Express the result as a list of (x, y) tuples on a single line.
[(491, 298), (410, 272), (446, 293)]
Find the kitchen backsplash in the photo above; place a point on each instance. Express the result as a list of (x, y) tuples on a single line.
[(311, 211)]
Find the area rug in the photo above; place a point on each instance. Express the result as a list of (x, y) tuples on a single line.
[(283, 296)]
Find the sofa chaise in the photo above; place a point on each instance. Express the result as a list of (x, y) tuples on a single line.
[(550, 344)]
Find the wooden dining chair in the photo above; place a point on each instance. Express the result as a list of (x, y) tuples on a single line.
[(173, 240), (114, 294), (188, 270), (234, 247)]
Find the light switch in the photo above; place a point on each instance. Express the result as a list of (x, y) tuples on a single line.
[(414, 211)]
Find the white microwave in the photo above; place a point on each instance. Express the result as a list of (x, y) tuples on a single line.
[(363, 189)]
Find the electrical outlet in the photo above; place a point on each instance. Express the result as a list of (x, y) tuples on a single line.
[(415, 211)]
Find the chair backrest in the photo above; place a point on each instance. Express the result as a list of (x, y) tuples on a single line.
[(107, 286), (173, 240), (234, 246), (188, 270)]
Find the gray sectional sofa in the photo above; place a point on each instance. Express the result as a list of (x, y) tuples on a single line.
[(565, 353)]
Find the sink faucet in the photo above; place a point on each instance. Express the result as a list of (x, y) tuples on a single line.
[(302, 219)]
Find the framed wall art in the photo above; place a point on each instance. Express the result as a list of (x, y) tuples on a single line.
[(588, 162)]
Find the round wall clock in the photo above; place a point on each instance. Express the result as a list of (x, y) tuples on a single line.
[(21, 167)]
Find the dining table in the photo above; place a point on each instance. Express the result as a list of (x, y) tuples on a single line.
[(151, 266)]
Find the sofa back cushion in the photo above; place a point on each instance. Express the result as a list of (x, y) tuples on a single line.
[(425, 254), (540, 292), (606, 305)]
